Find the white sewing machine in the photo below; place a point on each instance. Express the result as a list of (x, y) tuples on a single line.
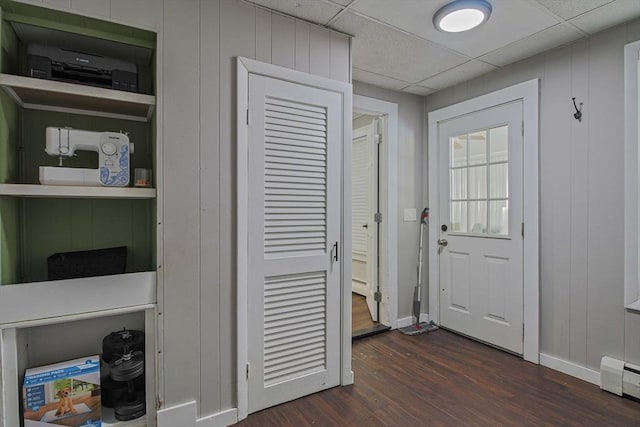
[(113, 157)]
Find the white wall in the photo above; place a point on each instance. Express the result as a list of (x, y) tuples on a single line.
[(581, 193), (411, 186), (201, 42)]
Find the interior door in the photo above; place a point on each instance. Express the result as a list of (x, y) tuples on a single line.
[(294, 240), (481, 245), (364, 193)]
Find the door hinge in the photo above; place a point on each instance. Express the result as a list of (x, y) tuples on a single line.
[(522, 230), (523, 330), (247, 116), (377, 296), (523, 128), (377, 217), (378, 138), (247, 371)]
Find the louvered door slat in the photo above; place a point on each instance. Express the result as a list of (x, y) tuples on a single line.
[(290, 116), (299, 188), (290, 122), (317, 346), (277, 154), (281, 350), (293, 284), (291, 328), (294, 229), (287, 153), (296, 108), (288, 143), (280, 173), (311, 140), (308, 316)]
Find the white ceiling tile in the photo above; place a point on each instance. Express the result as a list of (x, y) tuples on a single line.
[(464, 72), (310, 10), (419, 90), (568, 9), (537, 43), (510, 20), (385, 51), (377, 80), (607, 16)]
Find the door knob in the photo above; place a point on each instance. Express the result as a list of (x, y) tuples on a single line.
[(443, 242)]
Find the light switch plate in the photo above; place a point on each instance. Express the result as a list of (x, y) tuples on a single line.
[(410, 214)]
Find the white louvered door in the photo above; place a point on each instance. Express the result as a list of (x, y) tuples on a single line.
[(364, 201), (294, 232)]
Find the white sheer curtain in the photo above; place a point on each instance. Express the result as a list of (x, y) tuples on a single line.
[(479, 189), (499, 209)]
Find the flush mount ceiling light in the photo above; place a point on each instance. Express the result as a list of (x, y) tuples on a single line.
[(462, 15)]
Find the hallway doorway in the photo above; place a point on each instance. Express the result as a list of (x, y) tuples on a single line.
[(368, 134)]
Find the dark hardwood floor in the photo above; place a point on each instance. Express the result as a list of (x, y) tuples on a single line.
[(442, 379), (360, 316)]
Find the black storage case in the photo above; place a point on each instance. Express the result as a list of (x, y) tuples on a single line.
[(98, 262)]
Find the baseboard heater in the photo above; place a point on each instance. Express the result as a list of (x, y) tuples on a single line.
[(619, 377)]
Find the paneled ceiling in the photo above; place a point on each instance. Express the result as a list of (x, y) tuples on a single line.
[(396, 46)]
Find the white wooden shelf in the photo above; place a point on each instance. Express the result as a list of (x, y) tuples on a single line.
[(34, 304), (80, 99), (64, 191), (109, 420)]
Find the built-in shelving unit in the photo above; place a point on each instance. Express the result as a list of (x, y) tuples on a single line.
[(43, 321), (80, 99), (72, 192)]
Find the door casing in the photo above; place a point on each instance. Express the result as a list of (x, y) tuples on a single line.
[(528, 92), (245, 67)]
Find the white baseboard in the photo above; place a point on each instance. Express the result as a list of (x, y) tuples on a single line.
[(183, 415), (186, 415), (407, 321), (221, 419), (570, 368)]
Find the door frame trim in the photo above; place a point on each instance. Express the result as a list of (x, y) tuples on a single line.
[(388, 237), (528, 92), (245, 67)]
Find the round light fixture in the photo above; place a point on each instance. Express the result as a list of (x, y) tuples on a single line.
[(462, 15)]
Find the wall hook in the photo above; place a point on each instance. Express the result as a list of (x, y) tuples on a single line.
[(578, 114)]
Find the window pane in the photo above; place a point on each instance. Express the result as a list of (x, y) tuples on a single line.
[(478, 182), (499, 144), (499, 181), (458, 215), (499, 217), (458, 184), (478, 148), (478, 217), (458, 150)]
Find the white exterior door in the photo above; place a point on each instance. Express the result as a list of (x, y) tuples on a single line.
[(481, 245), (364, 193), (293, 240)]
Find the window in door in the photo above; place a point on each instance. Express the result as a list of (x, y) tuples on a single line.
[(479, 182)]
